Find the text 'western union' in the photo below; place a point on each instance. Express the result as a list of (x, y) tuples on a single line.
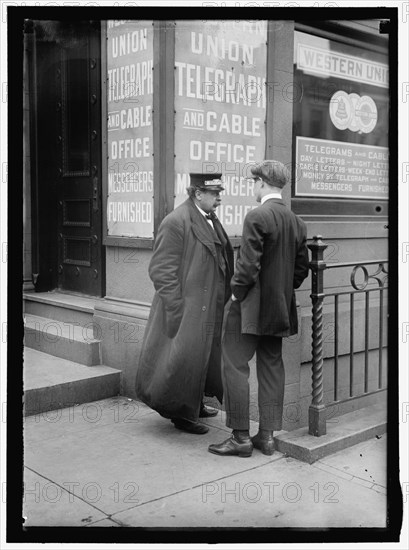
[(349, 67)]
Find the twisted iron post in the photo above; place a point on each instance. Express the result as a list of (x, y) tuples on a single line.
[(317, 413)]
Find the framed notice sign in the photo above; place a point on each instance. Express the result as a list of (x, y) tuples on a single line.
[(130, 142), (338, 169), (220, 108)]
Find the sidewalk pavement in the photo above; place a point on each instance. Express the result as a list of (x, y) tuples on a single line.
[(115, 462)]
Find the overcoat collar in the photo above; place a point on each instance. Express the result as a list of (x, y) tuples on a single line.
[(205, 234)]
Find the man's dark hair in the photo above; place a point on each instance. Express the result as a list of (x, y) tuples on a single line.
[(272, 172), (191, 191)]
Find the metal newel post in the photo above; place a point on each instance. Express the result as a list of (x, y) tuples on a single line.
[(317, 413)]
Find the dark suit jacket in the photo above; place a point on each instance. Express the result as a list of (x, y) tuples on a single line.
[(273, 261)]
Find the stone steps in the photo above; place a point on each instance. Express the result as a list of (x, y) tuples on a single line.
[(71, 341), (60, 306), (52, 383)]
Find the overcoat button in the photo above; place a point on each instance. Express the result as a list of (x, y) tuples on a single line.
[(205, 289), (204, 308)]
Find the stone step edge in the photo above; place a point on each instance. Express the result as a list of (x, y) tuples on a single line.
[(55, 329), (94, 372), (301, 445), (59, 299), (69, 386)]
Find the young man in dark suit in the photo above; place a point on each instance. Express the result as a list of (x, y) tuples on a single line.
[(273, 261)]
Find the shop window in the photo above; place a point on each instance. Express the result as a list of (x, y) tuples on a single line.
[(340, 128), (129, 129), (220, 108)]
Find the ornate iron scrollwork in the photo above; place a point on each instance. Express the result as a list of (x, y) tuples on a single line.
[(381, 281)]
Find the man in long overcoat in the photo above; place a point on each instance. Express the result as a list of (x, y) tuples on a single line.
[(273, 262), (191, 268)]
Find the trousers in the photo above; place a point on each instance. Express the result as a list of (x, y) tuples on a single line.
[(237, 350)]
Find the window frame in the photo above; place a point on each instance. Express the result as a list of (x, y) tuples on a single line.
[(163, 133), (339, 209)]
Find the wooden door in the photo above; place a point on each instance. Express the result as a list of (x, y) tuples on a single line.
[(66, 145), (80, 261)]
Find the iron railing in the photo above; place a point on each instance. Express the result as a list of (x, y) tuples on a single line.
[(318, 409)]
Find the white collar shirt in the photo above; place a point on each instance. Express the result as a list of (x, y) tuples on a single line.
[(273, 195), (204, 214)]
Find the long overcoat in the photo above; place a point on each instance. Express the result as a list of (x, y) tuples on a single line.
[(273, 261), (181, 355)]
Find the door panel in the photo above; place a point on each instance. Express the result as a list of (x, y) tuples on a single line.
[(43, 135), (80, 260)]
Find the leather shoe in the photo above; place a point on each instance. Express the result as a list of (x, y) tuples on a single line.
[(233, 447), (205, 412), (189, 427), (265, 443)]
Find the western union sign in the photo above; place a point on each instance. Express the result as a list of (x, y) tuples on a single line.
[(324, 62)]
